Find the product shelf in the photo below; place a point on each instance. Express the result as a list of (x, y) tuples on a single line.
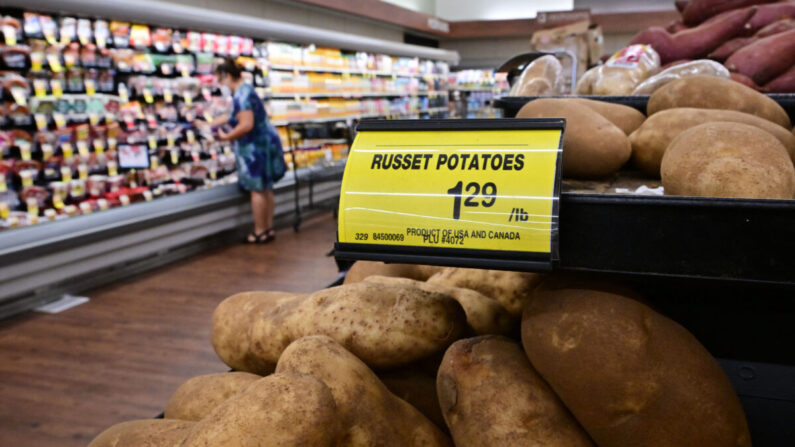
[(303, 68)]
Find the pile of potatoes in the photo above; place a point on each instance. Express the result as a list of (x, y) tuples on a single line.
[(704, 136), (405, 355)]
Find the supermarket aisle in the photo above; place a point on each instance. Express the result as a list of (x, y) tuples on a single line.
[(66, 377)]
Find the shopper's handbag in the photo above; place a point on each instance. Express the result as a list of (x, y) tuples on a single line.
[(276, 154)]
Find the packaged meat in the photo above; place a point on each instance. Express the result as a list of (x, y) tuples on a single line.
[(621, 73), (542, 77), (698, 67)]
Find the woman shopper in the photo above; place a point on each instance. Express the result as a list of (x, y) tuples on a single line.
[(255, 159)]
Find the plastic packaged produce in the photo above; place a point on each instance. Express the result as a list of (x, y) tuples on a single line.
[(699, 67), (542, 77), (621, 73)]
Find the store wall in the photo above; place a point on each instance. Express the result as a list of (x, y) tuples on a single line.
[(426, 6), (606, 6), (497, 9), (487, 53), (293, 12)]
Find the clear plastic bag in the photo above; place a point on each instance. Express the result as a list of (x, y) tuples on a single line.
[(670, 74), (621, 73), (542, 77)]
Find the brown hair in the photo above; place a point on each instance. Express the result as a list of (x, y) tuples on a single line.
[(229, 68)]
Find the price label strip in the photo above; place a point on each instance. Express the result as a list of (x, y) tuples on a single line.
[(473, 193)]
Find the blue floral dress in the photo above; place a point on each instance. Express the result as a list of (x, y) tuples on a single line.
[(252, 159)]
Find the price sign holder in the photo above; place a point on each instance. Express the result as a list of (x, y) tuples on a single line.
[(466, 193)]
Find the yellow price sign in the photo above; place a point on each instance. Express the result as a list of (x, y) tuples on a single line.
[(483, 191)]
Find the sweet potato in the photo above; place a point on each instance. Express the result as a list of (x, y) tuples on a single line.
[(697, 11), (651, 140), (710, 92), (729, 47), (676, 26), (779, 26), (744, 80), (784, 83), (696, 42), (767, 14), (766, 58), (681, 5), (727, 160)]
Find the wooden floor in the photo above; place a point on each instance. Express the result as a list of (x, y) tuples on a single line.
[(66, 377)]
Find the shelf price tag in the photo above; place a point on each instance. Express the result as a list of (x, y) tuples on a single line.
[(60, 120), (40, 88), (56, 87), (91, 87), (148, 97), (82, 148), (168, 95), (41, 121), (24, 149), (66, 174), (482, 192), (46, 151), (99, 145), (68, 151), (10, 33), (54, 60)]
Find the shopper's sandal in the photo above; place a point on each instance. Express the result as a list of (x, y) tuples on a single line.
[(254, 238), (270, 236)]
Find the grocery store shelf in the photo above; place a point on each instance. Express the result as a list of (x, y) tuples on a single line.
[(351, 95), (40, 262), (434, 110), (720, 240), (328, 119), (739, 240), (194, 17), (303, 68), (512, 104), (474, 89)]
